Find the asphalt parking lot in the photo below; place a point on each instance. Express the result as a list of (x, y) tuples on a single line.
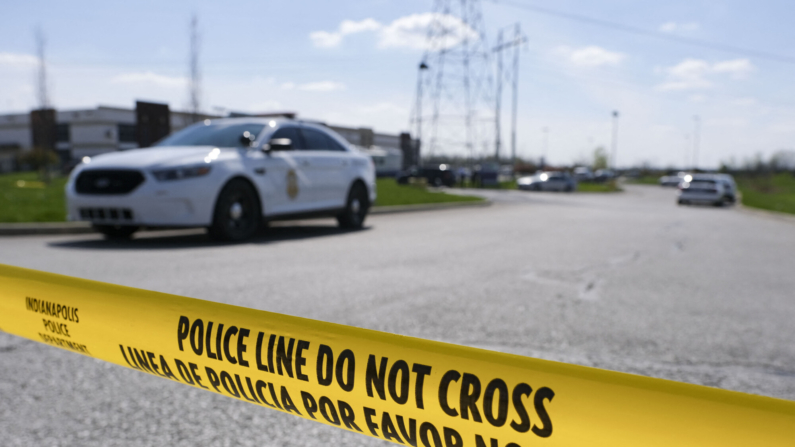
[(627, 281)]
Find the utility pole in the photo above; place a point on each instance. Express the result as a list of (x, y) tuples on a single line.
[(517, 38), (687, 147), (545, 129), (514, 44), (498, 105), (614, 145), (418, 113), (195, 74), (696, 136)]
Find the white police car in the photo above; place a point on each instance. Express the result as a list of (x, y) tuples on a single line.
[(228, 175)]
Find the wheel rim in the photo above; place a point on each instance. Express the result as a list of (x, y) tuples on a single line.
[(236, 211), (240, 216), (356, 207)]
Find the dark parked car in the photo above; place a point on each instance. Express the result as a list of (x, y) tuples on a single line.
[(436, 175)]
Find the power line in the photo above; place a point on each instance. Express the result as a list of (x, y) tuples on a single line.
[(644, 32)]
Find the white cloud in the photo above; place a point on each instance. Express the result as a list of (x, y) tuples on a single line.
[(405, 32), (673, 27), (738, 68), (326, 39), (351, 27), (319, 86), (16, 60), (150, 78), (693, 74), (590, 56)]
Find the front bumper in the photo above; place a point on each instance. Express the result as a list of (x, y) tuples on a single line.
[(186, 202)]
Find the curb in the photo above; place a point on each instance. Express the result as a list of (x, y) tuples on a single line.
[(22, 229), (45, 228), (776, 215)]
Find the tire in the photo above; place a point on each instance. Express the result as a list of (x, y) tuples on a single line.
[(437, 182), (237, 214), (116, 231), (356, 208)]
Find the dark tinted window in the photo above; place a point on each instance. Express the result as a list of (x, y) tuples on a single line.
[(291, 133), (62, 133), (335, 146), (221, 135), (127, 133), (317, 140)]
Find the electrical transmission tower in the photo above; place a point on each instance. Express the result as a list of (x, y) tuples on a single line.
[(195, 74), (455, 82)]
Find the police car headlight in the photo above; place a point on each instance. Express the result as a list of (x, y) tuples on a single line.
[(165, 175)]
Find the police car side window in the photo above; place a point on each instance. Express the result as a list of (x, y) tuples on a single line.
[(291, 133), (336, 146), (315, 140)]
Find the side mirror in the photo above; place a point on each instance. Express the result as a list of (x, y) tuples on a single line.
[(278, 144), (247, 139)]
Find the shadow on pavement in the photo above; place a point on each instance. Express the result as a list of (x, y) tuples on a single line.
[(195, 238)]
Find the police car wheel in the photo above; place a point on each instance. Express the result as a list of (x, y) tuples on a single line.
[(237, 213), (116, 231), (355, 209)]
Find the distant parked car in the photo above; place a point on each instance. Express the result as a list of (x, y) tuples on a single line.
[(436, 175), (583, 174), (547, 181), (486, 174), (603, 175), (714, 189), (672, 180)]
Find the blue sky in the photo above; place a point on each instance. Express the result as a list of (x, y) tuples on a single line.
[(354, 63)]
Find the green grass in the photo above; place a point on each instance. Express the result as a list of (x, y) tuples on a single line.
[(598, 187), (24, 198), (645, 180), (769, 192), (390, 193)]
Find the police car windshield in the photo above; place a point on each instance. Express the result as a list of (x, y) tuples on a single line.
[(219, 135)]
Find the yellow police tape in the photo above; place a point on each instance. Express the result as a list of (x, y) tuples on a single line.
[(401, 389)]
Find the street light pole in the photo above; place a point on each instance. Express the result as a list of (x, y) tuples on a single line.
[(614, 146), (696, 130)]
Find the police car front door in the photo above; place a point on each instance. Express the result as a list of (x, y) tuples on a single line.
[(283, 178)]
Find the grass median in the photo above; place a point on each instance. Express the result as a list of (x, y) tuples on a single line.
[(390, 194), (769, 192), (25, 198)]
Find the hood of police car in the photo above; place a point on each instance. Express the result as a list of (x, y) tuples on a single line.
[(159, 157)]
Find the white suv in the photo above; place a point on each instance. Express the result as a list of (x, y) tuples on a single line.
[(715, 189), (229, 175)]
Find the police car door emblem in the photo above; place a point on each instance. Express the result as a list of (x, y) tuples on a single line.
[(292, 184)]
